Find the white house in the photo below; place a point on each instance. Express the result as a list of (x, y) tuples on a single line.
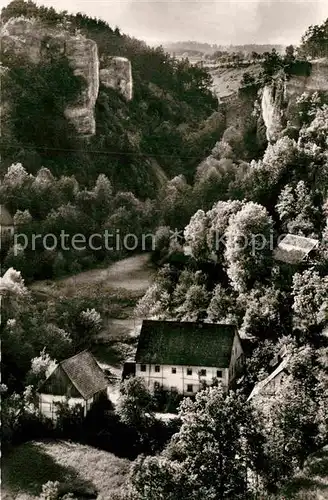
[(182, 356), (77, 380)]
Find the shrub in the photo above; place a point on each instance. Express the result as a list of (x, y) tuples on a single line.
[(69, 423)]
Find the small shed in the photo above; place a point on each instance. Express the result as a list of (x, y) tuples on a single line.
[(294, 249), (77, 380), (270, 385)]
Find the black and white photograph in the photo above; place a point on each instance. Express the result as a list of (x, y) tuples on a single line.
[(164, 249)]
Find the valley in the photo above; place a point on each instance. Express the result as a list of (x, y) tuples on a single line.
[(164, 261)]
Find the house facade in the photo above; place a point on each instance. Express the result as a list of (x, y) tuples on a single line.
[(6, 223), (184, 356), (76, 380)]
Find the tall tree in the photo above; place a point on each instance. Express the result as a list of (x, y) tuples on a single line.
[(136, 404), (297, 210), (218, 443), (195, 235), (248, 250), (291, 430), (310, 306), (219, 217), (315, 41), (222, 307), (261, 318)]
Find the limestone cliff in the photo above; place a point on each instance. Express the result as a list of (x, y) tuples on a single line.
[(238, 109), (316, 81), (272, 105), (34, 41), (276, 102), (117, 75), (30, 39), (83, 56), (279, 98)]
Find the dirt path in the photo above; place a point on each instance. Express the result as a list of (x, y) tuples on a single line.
[(133, 273)]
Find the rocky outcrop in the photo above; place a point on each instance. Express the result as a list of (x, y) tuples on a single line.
[(118, 75), (34, 41), (30, 39), (83, 57), (238, 111), (280, 97), (277, 111), (316, 81), (272, 105)]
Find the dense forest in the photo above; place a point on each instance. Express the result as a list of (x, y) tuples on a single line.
[(232, 203)]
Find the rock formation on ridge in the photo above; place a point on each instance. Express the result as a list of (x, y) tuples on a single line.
[(32, 40)]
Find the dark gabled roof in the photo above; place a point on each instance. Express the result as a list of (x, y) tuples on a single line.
[(5, 217), (293, 248), (258, 388), (185, 343), (85, 374)]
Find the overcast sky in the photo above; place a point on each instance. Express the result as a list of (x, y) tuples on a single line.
[(212, 21)]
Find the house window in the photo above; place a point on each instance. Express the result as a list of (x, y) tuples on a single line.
[(157, 368), (219, 373), (174, 370), (142, 368), (189, 388), (202, 373), (189, 371)]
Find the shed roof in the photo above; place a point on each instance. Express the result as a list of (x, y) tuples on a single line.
[(293, 248), (5, 218), (258, 388), (185, 343), (84, 373)]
